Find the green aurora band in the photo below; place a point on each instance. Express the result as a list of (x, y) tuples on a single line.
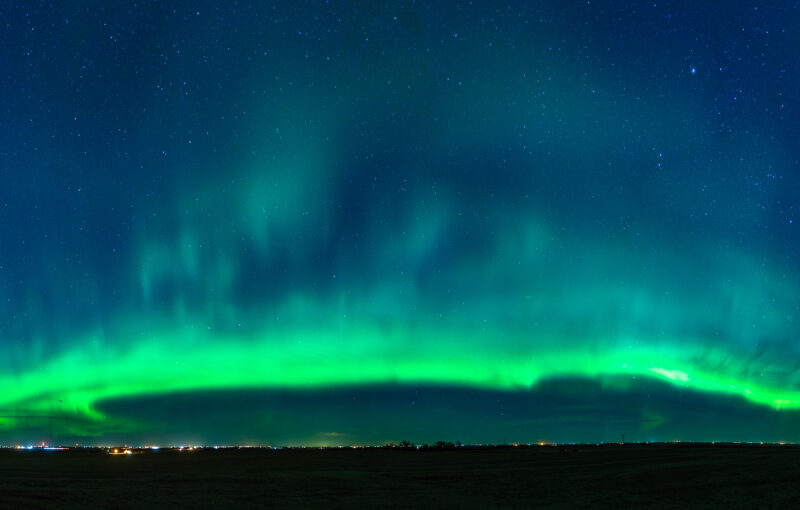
[(511, 344), (366, 355)]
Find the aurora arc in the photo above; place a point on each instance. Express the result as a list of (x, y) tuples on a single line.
[(441, 202), (363, 354)]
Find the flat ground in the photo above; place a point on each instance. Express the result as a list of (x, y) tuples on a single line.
[(547, 477)]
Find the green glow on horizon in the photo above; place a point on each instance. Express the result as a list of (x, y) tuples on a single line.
[(175, 362)]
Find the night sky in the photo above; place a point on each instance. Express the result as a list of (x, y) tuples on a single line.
[(346, 223)]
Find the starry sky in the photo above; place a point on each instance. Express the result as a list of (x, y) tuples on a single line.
[(340, 222)]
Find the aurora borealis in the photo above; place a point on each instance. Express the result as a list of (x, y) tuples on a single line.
[(339, 222)]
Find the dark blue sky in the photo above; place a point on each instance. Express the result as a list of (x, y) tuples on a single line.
[(341, 222)]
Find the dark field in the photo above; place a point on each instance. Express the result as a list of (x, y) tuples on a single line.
[(544, 477)]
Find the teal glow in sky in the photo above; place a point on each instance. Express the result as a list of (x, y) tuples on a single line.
[(336, 222)]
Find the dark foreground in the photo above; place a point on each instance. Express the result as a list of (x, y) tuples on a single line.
[(546, 477)]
